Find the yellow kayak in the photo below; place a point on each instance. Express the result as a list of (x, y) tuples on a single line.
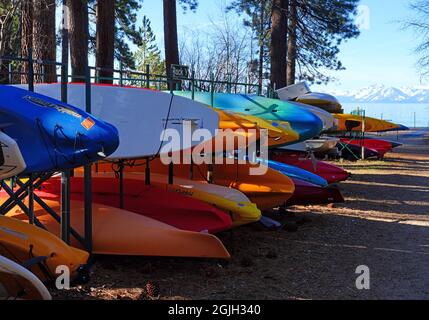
[(280, 133), (267, 191), (20, 242), (348, 122)]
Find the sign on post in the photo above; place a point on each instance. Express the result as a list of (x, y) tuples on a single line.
[(179, 72)]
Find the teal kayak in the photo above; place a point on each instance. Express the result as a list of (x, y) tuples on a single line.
[(302, 121)]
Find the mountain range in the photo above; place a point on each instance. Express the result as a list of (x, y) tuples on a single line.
[(382, 94)]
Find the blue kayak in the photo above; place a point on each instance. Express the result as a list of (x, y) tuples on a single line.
[(307, 124), (297, 173), (48, 135)]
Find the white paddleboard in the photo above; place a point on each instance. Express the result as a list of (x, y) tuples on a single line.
[(11, 160), (16, 282), (140, 116)]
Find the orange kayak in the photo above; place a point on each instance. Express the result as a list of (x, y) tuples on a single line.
[(267, 191), (120, 232)]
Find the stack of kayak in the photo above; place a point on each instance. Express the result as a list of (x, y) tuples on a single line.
[(343, 134), (143, 205)]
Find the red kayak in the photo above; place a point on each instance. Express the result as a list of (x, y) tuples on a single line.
[(179, 211), (329, 172), (381, 146), (309, 194)]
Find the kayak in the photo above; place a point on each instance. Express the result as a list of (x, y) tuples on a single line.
[(297, 173), (124, 233), (231, 201), (239, 125), (381, 146), (267, 191), (354, 152), (324, 101), (21, 242), (310, 194), (181, 212), (329, 172), (305, 123), (62, 136), (321, 145), (348, 122), (18, 283)]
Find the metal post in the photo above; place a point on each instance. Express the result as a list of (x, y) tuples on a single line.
[(193, 84), (30, 70), (228, 86), (121, 184), (147, 76), (363, 136), (191, 169), (212, 89), (171, 173), (88, 173), (147, 173), (65, 176), (31, 200), (9, 67), (121, 75)]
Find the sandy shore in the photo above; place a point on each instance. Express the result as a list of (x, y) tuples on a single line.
[(384, 225)]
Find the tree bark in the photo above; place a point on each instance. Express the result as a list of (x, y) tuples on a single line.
[(26, 35), (170, 34), (261, 47), (279, 43), (78, 33), (292, 49), (44, 40), (105, 39)]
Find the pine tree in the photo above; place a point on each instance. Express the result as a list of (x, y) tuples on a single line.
[(278, 45), (105, 39), (126, 29), (321, 27), (170, 29), (9, 34), (258, 18), (79, 34), (26, 35), (148, 52), (44, 39)]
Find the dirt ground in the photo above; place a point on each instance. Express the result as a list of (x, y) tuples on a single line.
[(384, 225)]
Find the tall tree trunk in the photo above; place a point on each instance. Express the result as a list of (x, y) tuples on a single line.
[(44, 39), (170, 34), (105, 38), (279, 43), (261, 47), (292, 38), (78, 33), (6, 38), (26, 35)]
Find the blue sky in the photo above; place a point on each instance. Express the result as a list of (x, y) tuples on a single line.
[(383, 54)]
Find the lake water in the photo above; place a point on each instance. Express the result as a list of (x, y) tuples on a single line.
[(396, 112)]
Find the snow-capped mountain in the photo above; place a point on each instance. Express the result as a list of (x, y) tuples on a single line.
[(383, 94)]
